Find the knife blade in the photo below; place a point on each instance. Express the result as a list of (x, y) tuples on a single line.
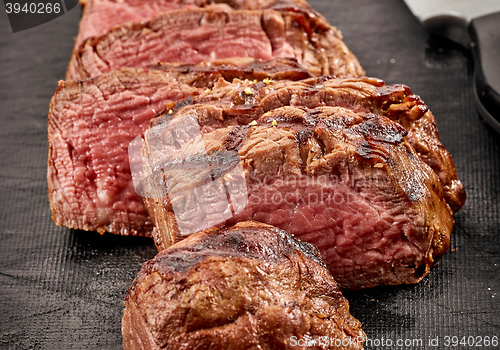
[(474, 24)]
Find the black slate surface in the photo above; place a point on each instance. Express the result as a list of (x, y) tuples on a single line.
[(63, 289)]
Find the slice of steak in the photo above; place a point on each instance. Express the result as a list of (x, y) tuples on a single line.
[(99, 16), (249, 286), (346, 182), (92, 123), (242, 102), (218, 32)]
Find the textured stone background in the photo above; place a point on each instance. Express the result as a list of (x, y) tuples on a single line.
[(64, 289)]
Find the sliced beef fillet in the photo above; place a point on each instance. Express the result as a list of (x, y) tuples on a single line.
[(99, 16), (242, 102), (347, 182), (249, 286), (288, 29), (92, 123)]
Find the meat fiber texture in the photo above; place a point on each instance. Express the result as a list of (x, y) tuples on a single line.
[(249, 286), (243, 102), (99, 16), (287, 29), (92, 123), (332, 170)]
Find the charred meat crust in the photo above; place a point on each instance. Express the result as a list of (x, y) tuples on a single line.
[(243, 102), (244, 240), (247, 286), (235, 68)]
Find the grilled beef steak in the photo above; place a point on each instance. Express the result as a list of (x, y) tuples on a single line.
[(249, 286), (242, 102), (349, 183), (99, 16), (218, 32), (92, 123)]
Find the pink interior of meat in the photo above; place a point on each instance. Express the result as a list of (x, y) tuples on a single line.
[(92, 165), (192, 45), (352, 230), (345, 225), (102, 15), (363, 230), (200, 36)]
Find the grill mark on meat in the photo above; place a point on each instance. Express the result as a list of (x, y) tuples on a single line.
[(241, 68), (184, 260), (186, 102), (362, 95), (236, 137), (213, 165), (222, 162), (371, 128), (303, 137)]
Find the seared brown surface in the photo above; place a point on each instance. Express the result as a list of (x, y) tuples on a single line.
[(349, 183), (249, 286), (205, 74), (91, 124), (243, 102)]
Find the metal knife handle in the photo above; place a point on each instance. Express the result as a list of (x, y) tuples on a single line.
[(485, 35)]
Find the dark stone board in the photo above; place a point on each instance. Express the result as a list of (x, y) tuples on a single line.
[(64, 289)]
